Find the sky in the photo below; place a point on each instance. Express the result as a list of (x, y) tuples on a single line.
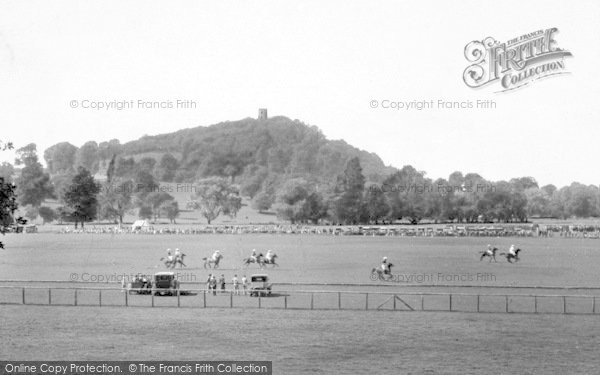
[(334, 64)]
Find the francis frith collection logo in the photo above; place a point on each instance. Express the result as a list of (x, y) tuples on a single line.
[(514, 63)]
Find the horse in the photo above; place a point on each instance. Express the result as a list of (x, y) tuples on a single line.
[(509, 256), (381, 275), (171, 263), (270, 261), (259, 259), (215, 262), (489, 253)]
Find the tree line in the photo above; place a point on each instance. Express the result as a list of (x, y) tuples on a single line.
[(345, 196), (408, 195)]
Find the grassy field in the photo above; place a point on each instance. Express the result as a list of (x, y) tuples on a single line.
[(300, 342), (344, 342), (318, 259)]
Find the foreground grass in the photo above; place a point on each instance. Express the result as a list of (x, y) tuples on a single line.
[(307, 341)]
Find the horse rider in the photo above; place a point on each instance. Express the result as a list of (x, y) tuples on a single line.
[(169, 256), (253, 255), (269, 255), (177, 254), (511, 251), (216, 255), (385, 266)]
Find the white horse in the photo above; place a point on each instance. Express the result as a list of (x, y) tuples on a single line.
[(214, 261), (172, 261)]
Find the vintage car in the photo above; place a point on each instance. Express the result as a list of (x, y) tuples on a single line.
[(140, 285), (259, 285), (165, 283), (31, 228)]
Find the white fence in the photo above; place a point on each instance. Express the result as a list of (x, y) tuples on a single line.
[(305, 300)]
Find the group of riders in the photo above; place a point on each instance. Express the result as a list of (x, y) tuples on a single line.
[(261, 259), (173, 259), (511, 256)]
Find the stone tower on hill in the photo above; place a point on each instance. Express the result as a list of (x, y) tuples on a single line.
[(262, 113)]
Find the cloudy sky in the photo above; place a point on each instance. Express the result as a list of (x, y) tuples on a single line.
[(321, 62)]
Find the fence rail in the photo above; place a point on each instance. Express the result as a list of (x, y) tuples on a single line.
[(112, 284), (304, 300)]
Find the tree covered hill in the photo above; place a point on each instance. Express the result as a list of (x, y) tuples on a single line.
[(281, 165), (277, 146)]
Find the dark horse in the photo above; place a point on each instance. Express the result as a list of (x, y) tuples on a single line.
[(378, 273), (490, 252), (510, 257)]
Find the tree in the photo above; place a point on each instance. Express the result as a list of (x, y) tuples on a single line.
[(376, 204), (350, 186), (6, 171), (167, 167), (48, 215), (147, 164), (80, 198), (581, 202), (60, 158), (116, 198), (125, 167), (31, 212), (26, 152), (298, 202), (8, 200), (406, 192), (155, 200), (107, 150), (87, 156), (33, 184), (144, 185), (8, 206), (170, 209), (215, 196), (262, 201), (145, 212)]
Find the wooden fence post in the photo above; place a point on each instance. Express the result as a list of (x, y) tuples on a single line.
[(506, 304), (178, 297), (312, 295), (450, 301), (23, 295), (394, 303), (366, 301), (75, 298), (594, 306), (285, 302), (339, 300), (204, 298), (478, 303), (535, 305), (564, 304), (99, 297), (49, 296), (231, 300)]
